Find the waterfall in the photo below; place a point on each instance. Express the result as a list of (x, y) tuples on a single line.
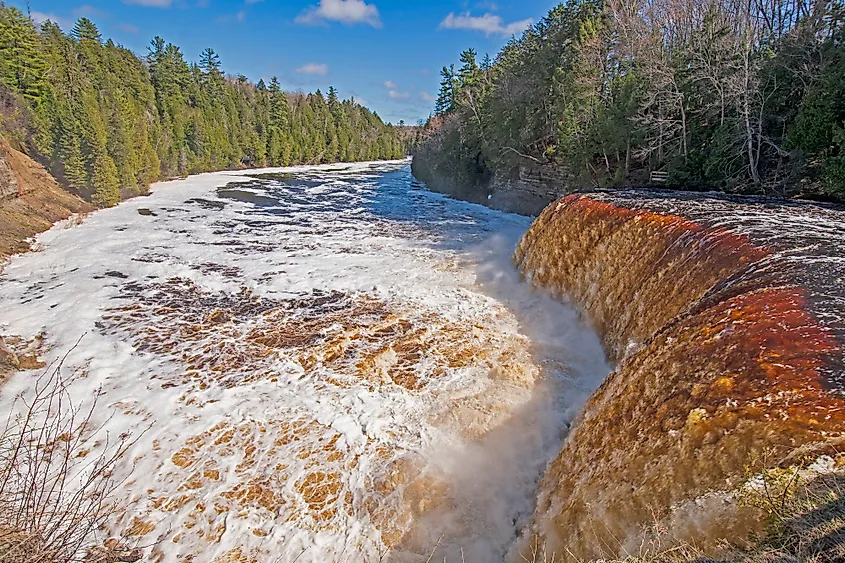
[(728, 336)]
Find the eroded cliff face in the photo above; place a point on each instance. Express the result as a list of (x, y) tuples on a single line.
[(726, 319), (527, 190), (8, 182)]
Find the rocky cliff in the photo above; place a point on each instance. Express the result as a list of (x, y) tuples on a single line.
[(527, 190), (30, 200), (9, 187), (725, 316)]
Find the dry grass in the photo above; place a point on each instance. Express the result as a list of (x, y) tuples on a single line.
[(804, 510), (802, 506), (55, 494)]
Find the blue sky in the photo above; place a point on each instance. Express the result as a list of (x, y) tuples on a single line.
[(386, 53)]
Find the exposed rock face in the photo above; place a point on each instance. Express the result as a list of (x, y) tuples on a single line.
[(8, 182), (528, 191), (726, 318)]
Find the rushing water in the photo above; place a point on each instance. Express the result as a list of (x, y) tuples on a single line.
[(332, 364)]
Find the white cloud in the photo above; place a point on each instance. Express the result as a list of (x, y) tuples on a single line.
[(347, 12), (40, 17), (151, 3), (129, 28), (89, 10), (490, 24), (426, 97), (314, 69), (239, 17), (394, 93)]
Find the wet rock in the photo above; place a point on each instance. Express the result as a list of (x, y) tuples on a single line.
[(207, 204), (112, 274)]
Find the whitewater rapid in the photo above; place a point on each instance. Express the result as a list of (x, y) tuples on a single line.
[(319, 364)]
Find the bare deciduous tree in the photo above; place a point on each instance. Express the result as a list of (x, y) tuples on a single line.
[(57, 479)]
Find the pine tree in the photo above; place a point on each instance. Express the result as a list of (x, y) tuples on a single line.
[(446, 97), (85, 29), (22, 64), (105, 182), (332, 97), (210, 62), (109, 123)]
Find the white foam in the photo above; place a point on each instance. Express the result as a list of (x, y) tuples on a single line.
[(361, 230)]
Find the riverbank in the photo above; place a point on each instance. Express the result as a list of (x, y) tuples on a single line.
[(30, 201), (528, 192)]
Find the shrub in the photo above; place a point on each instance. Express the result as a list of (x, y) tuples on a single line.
[(54, 493)]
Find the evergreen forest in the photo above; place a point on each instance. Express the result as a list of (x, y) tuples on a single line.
[(107, 122)]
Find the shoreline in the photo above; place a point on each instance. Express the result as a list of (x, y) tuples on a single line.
[(46, 204)]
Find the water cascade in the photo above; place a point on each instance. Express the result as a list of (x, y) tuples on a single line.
[(319, 364), (725, 318)]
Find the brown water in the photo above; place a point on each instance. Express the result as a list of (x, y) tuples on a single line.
[(726, 317)]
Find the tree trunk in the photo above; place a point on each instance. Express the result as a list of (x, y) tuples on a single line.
[(749, 134)]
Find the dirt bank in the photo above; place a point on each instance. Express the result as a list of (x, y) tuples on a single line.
[(32, 201)]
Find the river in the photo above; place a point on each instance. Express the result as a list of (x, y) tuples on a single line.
[(316, 364)]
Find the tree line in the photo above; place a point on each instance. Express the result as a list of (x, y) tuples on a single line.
[(737, 95), (107, 122)]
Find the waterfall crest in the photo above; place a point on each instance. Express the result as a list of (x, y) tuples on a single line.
[(726, 322)]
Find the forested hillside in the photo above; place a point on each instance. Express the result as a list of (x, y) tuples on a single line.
[(736, 95), (107, 123)]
